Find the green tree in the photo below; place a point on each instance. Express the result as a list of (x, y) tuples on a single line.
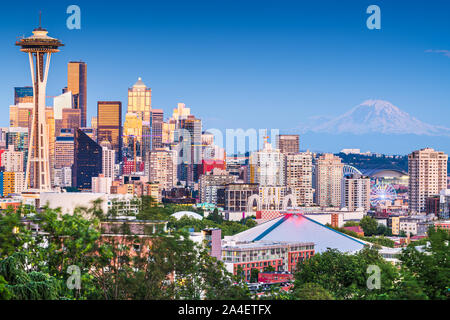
[(430, 266), (351, 224), (5, 294), (369, 225), (215, 216), (345, 275), (312, 291), (26, 284), (13, 232), (254, 275)]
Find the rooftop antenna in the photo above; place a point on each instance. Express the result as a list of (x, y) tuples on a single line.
[(40, 17)]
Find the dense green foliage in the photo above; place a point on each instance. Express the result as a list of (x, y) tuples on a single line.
[(167, 265), (173, 267), (420, 275)]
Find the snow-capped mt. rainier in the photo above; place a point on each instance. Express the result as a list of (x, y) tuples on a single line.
[(378, 116)]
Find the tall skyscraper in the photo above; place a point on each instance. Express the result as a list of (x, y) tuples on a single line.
[(38, 46), (189, 136), (140, 100), (299, 177), (71, 119), (427, 170), (288, 143), (64, 147), (146, 144), (329, 174), (156, 123), (76, 83), (355, 192), (109, 125), (87, 161)]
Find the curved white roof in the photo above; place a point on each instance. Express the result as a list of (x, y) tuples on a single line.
[(178, 215)]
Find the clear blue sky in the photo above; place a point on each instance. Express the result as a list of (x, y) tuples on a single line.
[(245, 64)]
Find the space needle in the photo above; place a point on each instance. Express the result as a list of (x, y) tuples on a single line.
[(39, 47)]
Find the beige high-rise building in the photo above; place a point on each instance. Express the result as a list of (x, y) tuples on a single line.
[(140, 100), (427, 170), (162, 168), (299, 177), (12, 160), (329, 174), (288, 143), (355, 192)]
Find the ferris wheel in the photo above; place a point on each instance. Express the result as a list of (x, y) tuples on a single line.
[(382, 192)]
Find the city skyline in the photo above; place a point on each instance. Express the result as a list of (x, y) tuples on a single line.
[(265, 65)]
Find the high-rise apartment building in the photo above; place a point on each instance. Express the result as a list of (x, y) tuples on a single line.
[(299, 177), (355, 192), (329, 173), (12, 160), (162, 168), (87, 161), (76, 84), (288, 143), (140, 100), (427, 170), (267, 167), (109, 125), (108, 162)]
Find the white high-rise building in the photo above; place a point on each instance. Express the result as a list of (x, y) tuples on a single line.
[(329, 174), (355, 192), (267, 167), (427, 170), (108, 162)]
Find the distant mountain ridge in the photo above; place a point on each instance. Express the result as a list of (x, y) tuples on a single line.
[(376, 116)]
